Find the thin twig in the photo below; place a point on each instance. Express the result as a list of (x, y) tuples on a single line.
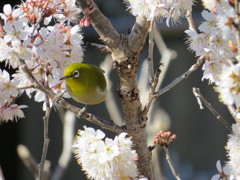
[(167, 56), (180, 78), (150, 54), (185, 75), (105, 124), (40, 18), (190, 21), (100, 47), (168, 158), (166, 53), (25, 87), (27, 159), (152, 90), (68, 134), (153, 80), (199, 96), (46, 138)]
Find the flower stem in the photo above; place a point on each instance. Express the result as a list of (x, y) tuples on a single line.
[(168, 158), (46, 140)]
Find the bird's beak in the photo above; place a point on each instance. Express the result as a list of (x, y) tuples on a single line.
[(64, 77)]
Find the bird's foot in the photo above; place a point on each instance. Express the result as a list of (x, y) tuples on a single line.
[(83, 110), (58, 97)]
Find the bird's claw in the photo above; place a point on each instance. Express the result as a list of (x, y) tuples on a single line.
[(58, 97), (83, 110)]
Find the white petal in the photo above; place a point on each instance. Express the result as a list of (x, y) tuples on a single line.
[(14, 92), (75, 29), (39, 96), (44, 32), (18, 25), (24, 19), (23, 35), (216, 177), (7, 114), (8, 28), (219, 167), (17, 12), (5, 75), (7, 9), (8, 38), (47, 20), (100, 134), (37, 41), (168, 21), (16, 42)]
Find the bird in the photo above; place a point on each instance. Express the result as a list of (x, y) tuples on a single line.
[(85, 83)]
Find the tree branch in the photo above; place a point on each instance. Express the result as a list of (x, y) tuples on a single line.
[(200, 98), (190, 21), (101, 24), (90, 117), (27, 159), (168, 158), (166, 53), (46, 139), (100, 47), (153, 95), (126, 50), (180, 78), (152, 90), (109, 125), (150, 53), (167, 56), (139, 32)]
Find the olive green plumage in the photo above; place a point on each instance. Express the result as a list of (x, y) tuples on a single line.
[(86, 83)]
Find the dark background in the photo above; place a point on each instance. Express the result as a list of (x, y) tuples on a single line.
[(200, 137)]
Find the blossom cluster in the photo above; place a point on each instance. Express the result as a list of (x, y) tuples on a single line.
[(224, 172), (152, 9), (164, 138), (105, 158), (231, 170), (217, 42), (27, 37), (233, 148), (9, 111)]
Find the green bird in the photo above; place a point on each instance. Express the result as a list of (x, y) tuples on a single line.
[(86, 83)]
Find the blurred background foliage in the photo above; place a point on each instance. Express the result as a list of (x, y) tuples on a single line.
[(200, 137)]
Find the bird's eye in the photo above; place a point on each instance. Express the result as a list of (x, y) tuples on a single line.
[(76, 74)]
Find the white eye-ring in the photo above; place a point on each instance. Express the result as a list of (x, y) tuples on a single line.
[(76, 74)]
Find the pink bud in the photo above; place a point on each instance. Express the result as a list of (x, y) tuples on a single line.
[(81, 23), (87, 22), (174, 136), (135, 157)]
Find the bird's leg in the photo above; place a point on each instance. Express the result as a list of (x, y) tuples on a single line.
[(58, 97), (83, 110)]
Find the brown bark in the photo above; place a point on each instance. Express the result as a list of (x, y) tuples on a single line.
[(125, 50)]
